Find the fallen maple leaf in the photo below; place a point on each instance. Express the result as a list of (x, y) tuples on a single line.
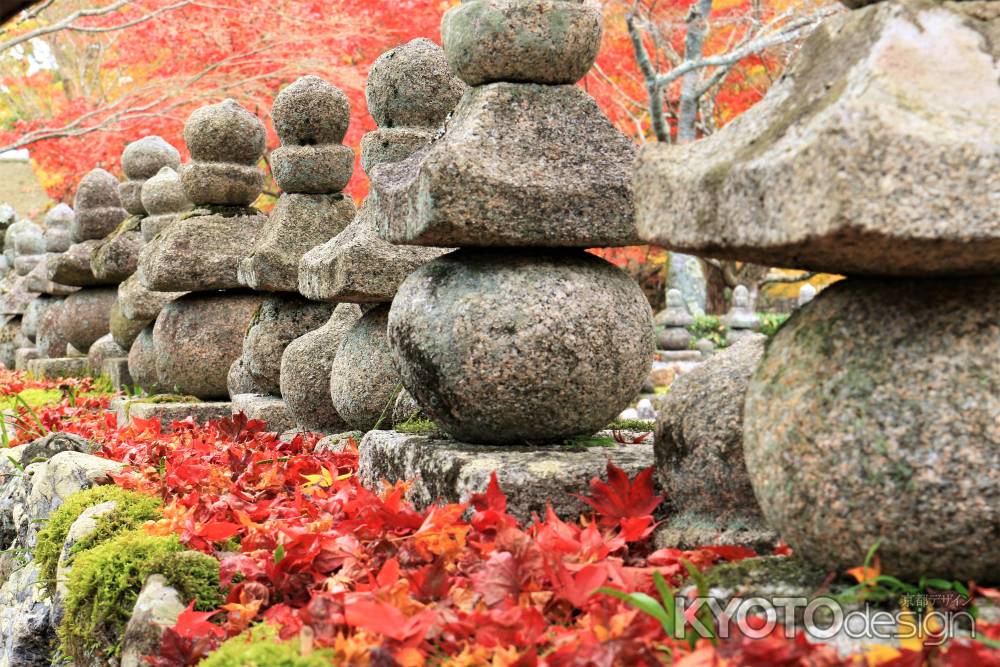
[(620, 498)]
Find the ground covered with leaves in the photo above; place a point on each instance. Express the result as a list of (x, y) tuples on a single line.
[(315, 569)]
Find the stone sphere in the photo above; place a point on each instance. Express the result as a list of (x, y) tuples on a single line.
[(29, 241), (546, 41), (86, 315), (305, 372), (59, 216), (142, 362), (97, 189), (224, 132), (411, 85), (508, 347), (310, 111), (142, 159), (363, 380), (874, 415), (164, 193)]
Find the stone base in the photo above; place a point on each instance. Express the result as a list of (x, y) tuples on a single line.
[(686, 531), (531, 477), (60, 367), (23, 355), (116, 368), (169, 411), (269, 409)]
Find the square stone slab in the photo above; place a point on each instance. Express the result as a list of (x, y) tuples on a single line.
[(169, 412), (531, 477), (60, 367), (117, 369), (269, 409)]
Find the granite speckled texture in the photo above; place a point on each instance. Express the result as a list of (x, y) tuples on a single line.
[(874, 415), (507, 348), (363, 381), (865, 158)]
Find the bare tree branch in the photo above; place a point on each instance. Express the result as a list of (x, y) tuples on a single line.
[(660, 128), (774, 280)]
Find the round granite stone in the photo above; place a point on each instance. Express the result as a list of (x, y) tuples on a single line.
[(50, 341), (392, 144), (86, 315), (164, 193), (124, 329), (363, 381), (142, 362), (104, 348), (198, 337), (130, 193), (59, 216), (142, 159), (97, 189), (874, 416), (221, 183), (507, 347), (411, 85), (544, 41), (312, 169), (224, 132), (305, 372), (310, 111)]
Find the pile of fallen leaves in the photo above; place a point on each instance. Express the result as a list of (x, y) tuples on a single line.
[(302, 545)]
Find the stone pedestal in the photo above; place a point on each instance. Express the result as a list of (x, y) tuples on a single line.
[(117, 371), (169, 409), (268, 409), (531, 477), (59, 367)]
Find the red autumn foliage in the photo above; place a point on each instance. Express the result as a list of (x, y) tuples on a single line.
[(381, 583)]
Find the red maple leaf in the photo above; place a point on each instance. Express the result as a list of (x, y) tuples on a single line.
[(620, 498)]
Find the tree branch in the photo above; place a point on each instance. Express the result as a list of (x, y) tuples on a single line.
[(808, 275), (660, 128)]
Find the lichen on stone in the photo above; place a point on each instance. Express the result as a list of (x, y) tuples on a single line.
[(260, 647), (107, 579), (131, 510)]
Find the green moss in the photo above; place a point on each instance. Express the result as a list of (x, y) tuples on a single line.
[(260, 647), (631, 425), (418, 427), (132, 510), (771, 322), (751, 574), (33, 397), (710, 327), (106, 580)]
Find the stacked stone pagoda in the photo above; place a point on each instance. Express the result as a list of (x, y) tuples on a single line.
[(197, 337), (520, 337), (137, 306), (58, 238), (312, 167), (342, 374), (81, 318), (741, 322), (673, 323), (116, 258), (873, 414)]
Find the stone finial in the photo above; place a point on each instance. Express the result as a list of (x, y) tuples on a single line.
[(29, 241), (806, 294), (542, 41), (741, 320), (59, 216), (412, 86), (164, 199), (311, 117), (98, 206), (310, 111), (141, 160), (226, 141)]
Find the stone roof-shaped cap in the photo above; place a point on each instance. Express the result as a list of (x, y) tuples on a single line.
[(97, 189), (59, 216), (224, 132), (164, 193), (310, 111), (142, 159), (412, 86)]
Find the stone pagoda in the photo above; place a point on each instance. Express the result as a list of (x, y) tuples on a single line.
[(116, 259), (498, 341), (312, 167), (342, 375), (872, 416), (197, 337), (82, 317), (136, 309)]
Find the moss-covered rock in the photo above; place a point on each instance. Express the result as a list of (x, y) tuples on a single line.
[(107, 579), (260, 647), (131, 510)]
